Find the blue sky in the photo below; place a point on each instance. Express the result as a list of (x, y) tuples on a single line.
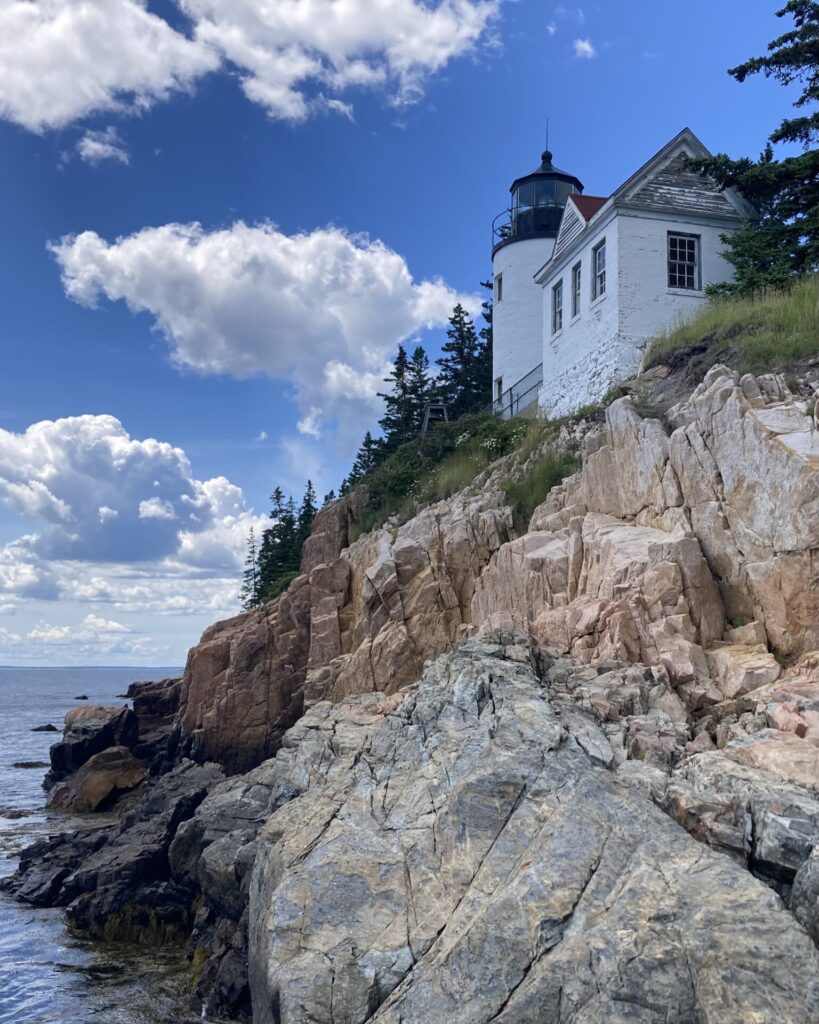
[(343, 166)]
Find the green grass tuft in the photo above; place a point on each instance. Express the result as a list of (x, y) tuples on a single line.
[(769, 330), (526, 494)]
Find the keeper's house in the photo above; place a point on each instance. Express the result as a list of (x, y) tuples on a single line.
[(582, 283)]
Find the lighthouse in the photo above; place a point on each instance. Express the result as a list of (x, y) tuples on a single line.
[(523, 239)]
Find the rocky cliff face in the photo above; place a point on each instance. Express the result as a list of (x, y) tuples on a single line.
[(667, 535), (600, 802)]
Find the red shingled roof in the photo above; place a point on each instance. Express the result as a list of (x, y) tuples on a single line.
[(588, 205)]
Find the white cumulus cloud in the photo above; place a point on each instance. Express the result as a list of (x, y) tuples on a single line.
[(324, 310), (61, 60), (109, 510), (281, 48), (584, 49), (156, 508), (96, 146), (118, 526)]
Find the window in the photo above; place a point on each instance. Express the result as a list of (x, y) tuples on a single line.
[(499, 288), (575, 290), (598, 270), (499, 388), (684, 261), (557, 307)]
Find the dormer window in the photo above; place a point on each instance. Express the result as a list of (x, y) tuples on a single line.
[(684, 261)]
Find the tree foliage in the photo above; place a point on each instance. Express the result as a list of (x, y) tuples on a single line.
[(463, 384), (784, 241), (249, 595), (459, 376), (271, 565)]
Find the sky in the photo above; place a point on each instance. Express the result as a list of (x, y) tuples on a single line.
[(218, 220)]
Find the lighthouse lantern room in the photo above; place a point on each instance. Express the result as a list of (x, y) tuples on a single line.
[(523, 239)]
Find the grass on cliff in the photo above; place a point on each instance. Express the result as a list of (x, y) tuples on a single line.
[(438, 464), (768, 330), (525, 494)]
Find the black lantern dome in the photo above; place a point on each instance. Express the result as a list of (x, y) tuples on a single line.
[(538, 201)]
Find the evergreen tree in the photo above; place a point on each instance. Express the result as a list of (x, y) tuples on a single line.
[(368, 457), (397, 423), (280, 551), (421, 388), (484, 369), (331, 496), (250, 593), (307, 513), (784, 241), (459, 378)]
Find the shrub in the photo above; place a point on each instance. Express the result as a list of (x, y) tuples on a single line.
[(438, 464)]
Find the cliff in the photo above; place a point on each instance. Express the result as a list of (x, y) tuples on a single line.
[(670, 532), (481, 774)]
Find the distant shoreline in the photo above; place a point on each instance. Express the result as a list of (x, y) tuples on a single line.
[(178, 669)]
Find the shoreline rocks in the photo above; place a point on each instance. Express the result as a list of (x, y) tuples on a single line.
[(89, 731), (587, 756)]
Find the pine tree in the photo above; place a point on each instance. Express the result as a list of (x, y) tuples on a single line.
[(330, 496), (484, 369), (421, 388), (784, 241), (250, 594), (397, 423), (307, 513), (459, 378), (367, 458), (280, 552)]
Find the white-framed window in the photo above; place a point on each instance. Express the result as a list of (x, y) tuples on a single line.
[(499, 288), (598, 282), (557, 307), (576, 282), (684, 261)]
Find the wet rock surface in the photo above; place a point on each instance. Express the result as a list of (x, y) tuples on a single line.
[(116, 882)]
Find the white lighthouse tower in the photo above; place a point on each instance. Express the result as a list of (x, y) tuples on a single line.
[(523, 239)]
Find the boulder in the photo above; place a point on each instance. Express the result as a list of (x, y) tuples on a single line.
[(88, 731), (772, 778), (156, 704), (739, 668), (98, 783)]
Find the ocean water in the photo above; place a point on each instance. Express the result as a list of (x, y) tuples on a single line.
[(46, 975)]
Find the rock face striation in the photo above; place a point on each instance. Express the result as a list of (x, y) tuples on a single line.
[(566, 775)]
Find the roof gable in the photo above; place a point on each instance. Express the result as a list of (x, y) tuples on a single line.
[(665, 184), (578, 212), (571, 224)]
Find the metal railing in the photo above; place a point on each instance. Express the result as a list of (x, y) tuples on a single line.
[(520, 397), (525, 222)]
